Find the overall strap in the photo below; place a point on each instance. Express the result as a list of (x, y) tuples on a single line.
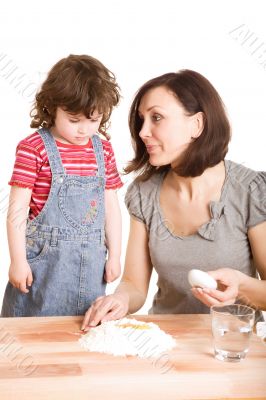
[(52, 152), (98, 150)]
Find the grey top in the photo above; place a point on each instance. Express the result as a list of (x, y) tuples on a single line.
[(221, 242)]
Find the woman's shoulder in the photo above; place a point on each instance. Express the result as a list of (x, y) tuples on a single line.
[(145, 187), (248, 193), (244, 177), (141, 195)]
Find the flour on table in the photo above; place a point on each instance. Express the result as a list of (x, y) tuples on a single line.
[(128, 337)]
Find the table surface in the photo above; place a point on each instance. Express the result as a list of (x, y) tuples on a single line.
[(41, 358)]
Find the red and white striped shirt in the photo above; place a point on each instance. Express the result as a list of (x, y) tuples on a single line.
[(32, 169)]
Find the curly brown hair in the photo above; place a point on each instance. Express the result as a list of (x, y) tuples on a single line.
[(79, 84), (196, 94)]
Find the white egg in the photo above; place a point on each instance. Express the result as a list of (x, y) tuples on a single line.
[(201, 279)]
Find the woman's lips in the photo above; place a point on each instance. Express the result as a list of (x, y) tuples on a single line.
[(151, 148)]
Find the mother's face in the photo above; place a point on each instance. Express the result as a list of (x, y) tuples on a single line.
[(167, 129)]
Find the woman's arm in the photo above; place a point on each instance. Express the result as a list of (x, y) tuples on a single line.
[(138, 267), (113, 232), (132, 291), (19, 271), (236, 285), (253, 291)]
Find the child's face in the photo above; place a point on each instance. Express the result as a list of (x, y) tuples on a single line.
[(75, 128)]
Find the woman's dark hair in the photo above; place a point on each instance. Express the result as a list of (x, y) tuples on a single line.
[(79, 84), (196, 94)]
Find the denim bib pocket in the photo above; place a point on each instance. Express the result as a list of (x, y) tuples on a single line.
[(79, 205)]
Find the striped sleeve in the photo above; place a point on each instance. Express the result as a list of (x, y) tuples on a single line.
[(113, 180), (26, 167)]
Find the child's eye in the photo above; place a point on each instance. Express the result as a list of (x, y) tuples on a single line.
[(156, 117), (74, 121)]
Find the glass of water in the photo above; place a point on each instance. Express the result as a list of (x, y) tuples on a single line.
[(231, 329)]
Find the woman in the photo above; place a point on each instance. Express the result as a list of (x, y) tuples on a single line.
[(189, 207)]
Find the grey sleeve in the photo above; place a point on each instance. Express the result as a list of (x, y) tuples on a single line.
[(133, 201), (257, 200)]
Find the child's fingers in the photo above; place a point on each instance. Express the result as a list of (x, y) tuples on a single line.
[(107, 277), (29, 279), (22, 287), (112, 277)]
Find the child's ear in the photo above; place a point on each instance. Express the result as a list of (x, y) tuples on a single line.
[(45, 110)]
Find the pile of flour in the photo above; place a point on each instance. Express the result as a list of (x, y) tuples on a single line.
[(128, 337)]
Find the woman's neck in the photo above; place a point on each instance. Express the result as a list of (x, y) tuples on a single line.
[(197, 187)]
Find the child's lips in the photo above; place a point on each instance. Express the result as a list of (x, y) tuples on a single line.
[(82, 139)]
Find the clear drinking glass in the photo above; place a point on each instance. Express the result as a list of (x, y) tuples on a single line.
[(231, 329)]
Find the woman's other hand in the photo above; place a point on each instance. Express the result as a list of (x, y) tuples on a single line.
[(105, 308), (228, 281)]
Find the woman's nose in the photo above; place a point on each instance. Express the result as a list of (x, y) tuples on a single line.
[(145, 131)]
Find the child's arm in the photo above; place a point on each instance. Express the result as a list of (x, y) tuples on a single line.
[(113, 230), (19, 272)]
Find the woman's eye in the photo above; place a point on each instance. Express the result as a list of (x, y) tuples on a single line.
[(156, 117)]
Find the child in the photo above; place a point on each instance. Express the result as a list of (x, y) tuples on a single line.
[(67, 176)]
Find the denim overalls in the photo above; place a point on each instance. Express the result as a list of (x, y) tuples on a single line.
[(65, 243)]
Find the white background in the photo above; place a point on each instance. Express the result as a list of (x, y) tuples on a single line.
[(137, 40)]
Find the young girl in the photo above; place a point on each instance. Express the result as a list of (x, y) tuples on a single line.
[(68, 178)]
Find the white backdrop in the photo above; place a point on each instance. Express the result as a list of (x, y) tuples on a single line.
[(137, 40)]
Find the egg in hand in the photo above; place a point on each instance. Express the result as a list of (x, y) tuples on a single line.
[(198, 278)]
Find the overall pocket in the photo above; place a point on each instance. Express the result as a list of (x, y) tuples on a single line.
[(36, 248), (80, 202)]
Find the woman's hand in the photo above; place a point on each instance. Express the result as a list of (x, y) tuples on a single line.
[(105, 308), (228, 281), (20, 276)]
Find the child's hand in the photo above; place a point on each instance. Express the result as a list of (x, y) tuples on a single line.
[(20, 275), (112, 269)]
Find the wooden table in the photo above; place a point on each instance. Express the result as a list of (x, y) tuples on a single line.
[(40, 358)]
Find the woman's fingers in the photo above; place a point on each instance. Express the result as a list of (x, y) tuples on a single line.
[(204, 298), (212, 297), (98, 299), (103, 309), (230, 293), (99, 308), (227, 291), (86, 320), (116, 313)]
